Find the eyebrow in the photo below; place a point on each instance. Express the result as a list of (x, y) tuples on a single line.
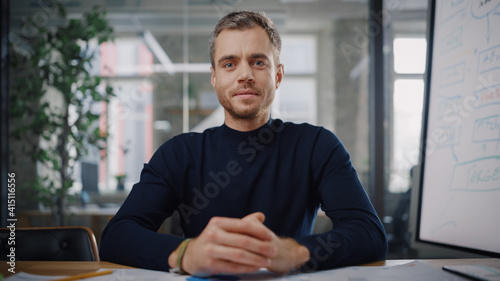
[(259, 56), (227, 57)]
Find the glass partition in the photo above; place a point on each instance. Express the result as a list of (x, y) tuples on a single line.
[(158, 65)]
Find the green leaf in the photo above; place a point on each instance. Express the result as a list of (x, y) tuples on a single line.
[(58, 60)]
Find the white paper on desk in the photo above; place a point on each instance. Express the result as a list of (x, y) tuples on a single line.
[(413, 271), (152, 275), (132, 274)]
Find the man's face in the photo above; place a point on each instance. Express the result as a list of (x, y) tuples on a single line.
[(245, 75)]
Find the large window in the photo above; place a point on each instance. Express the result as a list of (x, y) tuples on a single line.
[(405, 62), (409, 67)]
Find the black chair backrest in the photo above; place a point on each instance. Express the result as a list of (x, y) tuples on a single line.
[(48, 244)]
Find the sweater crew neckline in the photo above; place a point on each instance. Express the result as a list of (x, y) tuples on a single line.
[(236, 136)]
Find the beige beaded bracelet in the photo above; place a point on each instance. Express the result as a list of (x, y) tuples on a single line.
[(182, 249)]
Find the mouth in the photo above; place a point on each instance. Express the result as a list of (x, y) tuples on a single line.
[(246, 94)]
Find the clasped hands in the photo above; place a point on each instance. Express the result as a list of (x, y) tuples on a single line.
[(230, 245)]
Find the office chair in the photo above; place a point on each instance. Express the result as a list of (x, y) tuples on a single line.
[(71, 243)]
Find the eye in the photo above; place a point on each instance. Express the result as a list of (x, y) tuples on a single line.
[(229, 65), (259, 63)]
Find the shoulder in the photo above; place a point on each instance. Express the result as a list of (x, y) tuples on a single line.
[(322, 143), (185, 144), (190, 138), (306, 130)]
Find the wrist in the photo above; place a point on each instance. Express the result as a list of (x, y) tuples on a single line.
[(172, 258), (303, 255), (176, 257), (300, 253)]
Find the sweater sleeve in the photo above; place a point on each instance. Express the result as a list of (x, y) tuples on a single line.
[(357, 235), (131, 236)]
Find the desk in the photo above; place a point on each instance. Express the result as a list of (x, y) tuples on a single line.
[(58, 267), (71, 268)]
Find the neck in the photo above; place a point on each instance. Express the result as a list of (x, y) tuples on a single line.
[(245, 125)]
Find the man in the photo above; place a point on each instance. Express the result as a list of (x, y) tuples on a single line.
[(248, 191)]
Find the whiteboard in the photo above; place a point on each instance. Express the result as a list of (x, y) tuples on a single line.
[(460, 179)]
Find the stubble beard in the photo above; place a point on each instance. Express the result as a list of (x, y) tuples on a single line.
[(248, 111), (247, 114)]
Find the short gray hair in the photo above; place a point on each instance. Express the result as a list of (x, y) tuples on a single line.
[(243, 20)]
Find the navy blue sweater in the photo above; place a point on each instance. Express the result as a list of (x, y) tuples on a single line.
[(285, 170)]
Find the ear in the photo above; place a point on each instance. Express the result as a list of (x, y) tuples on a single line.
[(212, 78), (279, 75)]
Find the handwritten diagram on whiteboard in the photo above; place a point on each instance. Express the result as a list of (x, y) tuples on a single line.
[(461, 180)]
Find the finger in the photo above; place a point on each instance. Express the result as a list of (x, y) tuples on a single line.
[(238, 256), (243, 241), (248, 227), (257, 215)]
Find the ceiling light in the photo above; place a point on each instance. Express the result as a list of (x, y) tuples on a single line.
[(158, 52)]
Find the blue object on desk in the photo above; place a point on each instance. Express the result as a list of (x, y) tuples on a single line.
[(219, 277)]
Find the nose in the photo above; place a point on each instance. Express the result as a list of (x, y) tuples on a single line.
[(245, 73)]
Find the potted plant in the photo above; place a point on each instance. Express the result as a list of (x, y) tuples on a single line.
[(52, 95), (120, 182)]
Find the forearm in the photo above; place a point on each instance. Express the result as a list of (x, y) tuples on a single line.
[(357, 235), (355, 242), (126, 242), (131, 236)]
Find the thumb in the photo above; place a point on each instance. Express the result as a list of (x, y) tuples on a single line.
[(257, 215)]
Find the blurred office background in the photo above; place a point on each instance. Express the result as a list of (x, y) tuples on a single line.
[(159, 66)]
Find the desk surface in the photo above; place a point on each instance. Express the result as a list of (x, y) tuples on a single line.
[(71, 268), (57, 267)]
